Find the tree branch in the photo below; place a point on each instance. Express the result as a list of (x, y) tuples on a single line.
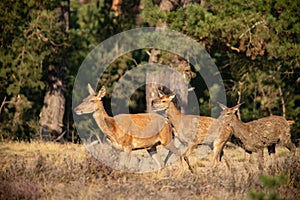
[(282, 101), (3, 102), (252, 27), (59, 137), (233, 48)]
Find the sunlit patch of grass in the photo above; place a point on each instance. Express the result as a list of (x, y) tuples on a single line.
[(240, 160), (283, 154), (200, 164), (56, 171)]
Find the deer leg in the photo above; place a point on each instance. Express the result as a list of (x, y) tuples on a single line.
[(168, 157), (260, 159), (221, 156), (217, 156), (271, 152), (218, 150), (153, 153), (190, 149), (171, 147), (179, 137), (292, 147), (285, 140), (227, 162), (187, 153), (127, 158), (186, 159), (103, 139), (247, 159), (289, 145)]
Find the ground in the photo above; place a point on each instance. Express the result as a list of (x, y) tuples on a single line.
[(67, 171)]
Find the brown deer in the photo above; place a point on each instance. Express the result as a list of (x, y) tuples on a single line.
[(129, 131), (258, 134), (197, 129)]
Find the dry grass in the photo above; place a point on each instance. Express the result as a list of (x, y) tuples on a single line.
[(56, 171)]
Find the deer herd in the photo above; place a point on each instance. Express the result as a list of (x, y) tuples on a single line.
[(131, 132)]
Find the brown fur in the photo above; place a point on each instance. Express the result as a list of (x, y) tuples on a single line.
[(258, 134), (129, 131), (198, 127)]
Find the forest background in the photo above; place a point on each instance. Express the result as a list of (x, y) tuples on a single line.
[(255, 45)]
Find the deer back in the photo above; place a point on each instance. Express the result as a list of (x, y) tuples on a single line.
[(269, 130), (142, 125)]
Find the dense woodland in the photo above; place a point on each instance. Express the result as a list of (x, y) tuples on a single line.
[(255, 45)]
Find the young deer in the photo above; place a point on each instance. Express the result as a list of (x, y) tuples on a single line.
[(258, 134), (129, 131), (200, 128)]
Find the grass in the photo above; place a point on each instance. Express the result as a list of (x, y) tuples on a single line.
[(67, 171)]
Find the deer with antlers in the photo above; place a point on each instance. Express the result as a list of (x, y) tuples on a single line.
[(129, 132)]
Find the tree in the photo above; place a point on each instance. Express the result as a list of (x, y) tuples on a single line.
[(51, 117), (28, 37), (255, 45), (172, 60)]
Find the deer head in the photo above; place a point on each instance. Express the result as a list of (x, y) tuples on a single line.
[(228, 113), (88, 103), (163, 102)]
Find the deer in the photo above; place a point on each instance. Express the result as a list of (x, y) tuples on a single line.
[(258, 134), (200, 128), (127, 132)]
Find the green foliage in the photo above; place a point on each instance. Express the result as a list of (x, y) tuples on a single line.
[(33, 39), (30, 40), (271, 185), (255, 44)]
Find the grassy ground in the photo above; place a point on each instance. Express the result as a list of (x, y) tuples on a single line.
[(66, 171)]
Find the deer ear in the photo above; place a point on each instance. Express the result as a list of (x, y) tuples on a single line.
[(237, 106), (222, 106), (91, 91), (160, 93), (191, 89), (102, 92), (172, 96)]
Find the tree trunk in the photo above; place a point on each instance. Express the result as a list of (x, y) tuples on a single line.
[(175, 62), (52, 114), (51, 117), (168, 79)]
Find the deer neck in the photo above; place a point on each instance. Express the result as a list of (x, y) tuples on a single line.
[(100, 112), (240, 129), (174, 115), (104, 121)]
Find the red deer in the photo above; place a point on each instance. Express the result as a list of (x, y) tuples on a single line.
[(258, 134), (129, 132), (197, 127)]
